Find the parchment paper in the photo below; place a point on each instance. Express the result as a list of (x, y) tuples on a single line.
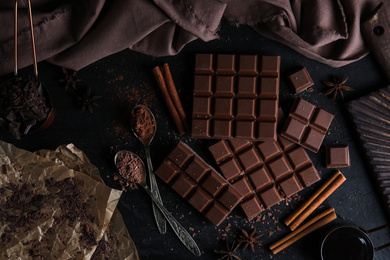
[(120, 243), (58, 240)]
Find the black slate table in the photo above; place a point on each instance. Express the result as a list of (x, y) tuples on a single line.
[(125, 79)]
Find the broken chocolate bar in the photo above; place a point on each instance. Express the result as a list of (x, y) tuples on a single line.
[(197, 182), (264, 172), (307, 125)]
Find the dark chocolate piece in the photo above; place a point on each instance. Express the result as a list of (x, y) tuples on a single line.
[(337, 156), (264, 172), (300, 80), (235, 96), (371, 115), (197, 182), (307, 125)]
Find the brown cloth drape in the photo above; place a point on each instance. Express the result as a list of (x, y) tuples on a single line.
[(76, 33)]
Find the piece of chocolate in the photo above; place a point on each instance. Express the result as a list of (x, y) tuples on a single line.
[(307, 125), (264, 172), (201, 185), (337, 156), (300, 80), (235, 96)]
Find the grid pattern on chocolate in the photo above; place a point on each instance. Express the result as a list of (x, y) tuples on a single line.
[(264, 172), (307, 125), (197, 182), (235, 96)]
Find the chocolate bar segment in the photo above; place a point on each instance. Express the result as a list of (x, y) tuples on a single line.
[(300, 80), (337, 156), (307, 125), (235, 96), (264, 172), (197, 182)]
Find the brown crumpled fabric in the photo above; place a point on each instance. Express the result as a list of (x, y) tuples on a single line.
[(76, 33)]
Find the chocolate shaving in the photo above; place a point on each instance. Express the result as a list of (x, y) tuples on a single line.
[(22, 105)]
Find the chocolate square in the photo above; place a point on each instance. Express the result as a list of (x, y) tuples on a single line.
[(337, 156), (300, 80), (248, 65)]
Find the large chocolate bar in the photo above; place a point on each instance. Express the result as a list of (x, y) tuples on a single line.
[(235, 96), (264, 172), (307, 125), (201, 185)]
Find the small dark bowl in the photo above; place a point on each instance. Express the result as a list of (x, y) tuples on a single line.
[(347, 243)]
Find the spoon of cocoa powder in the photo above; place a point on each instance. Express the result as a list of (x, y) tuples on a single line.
[(143, 125), (132, 168)]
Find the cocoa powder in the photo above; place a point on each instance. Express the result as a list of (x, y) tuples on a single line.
[(131, 168), (143, 123)]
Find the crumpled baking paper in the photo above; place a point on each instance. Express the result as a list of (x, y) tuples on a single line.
[(64, 243)]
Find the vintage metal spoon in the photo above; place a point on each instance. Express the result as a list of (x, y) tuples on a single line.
[(143, 125), (137, 174)]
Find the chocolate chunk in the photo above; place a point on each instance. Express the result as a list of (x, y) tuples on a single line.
[(337, 156), (197, 182), (307, 125), (22, 105), (300, 80), (264, 172), (235, 96)]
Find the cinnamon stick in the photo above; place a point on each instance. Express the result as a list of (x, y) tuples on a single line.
[(163, 87), (299, 215), (173, 94), (315, 223)]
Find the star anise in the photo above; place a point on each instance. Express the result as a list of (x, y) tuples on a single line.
[(337, 86), (248, 239), (87, 100), (228, 253), (69, 79)]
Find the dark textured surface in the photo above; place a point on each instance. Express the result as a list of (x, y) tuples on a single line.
[(125, 79)]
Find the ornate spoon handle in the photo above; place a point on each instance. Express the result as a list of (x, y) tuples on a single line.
[(158, 216), (181, 233)]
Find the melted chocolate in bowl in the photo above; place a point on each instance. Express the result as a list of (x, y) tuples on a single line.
[(347, 243)]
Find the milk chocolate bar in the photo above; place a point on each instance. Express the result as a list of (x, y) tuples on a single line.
[(300, 80), (264, 172), (337, 156), (235, 96), (201, 185), (307, 125)]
